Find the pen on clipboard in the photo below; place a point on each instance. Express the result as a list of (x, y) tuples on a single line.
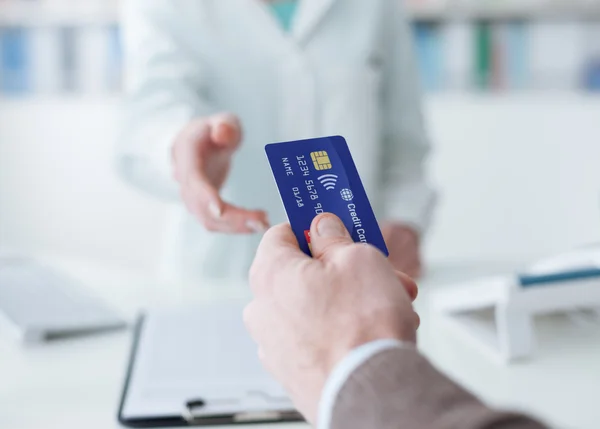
[(191, 407)]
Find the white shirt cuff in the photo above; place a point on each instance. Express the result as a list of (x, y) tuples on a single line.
[(342, 372)]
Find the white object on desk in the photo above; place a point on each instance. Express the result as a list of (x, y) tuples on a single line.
[(199, 365), (38, 303), (497, 313)]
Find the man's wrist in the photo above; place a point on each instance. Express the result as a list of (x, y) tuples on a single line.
[(342, 371)]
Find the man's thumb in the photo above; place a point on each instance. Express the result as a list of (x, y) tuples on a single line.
[(327, 233)]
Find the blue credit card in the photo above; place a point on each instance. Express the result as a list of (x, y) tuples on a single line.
[(319, 176)]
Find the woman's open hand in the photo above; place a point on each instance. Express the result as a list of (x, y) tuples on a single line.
[(202, 155)]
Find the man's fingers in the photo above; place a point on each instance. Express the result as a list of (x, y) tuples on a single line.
[(226, 130), (277, 253), (416, 271), (277, 239), (327, 233), (409, 285), (417, 320), (251, 316), (258, 319)]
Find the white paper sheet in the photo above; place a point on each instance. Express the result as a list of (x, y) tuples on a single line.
[(199, 353)]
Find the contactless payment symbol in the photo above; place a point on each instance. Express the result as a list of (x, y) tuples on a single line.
[(328, 181), (321, 160)]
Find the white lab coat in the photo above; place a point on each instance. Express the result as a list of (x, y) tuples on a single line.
[(346, 68)]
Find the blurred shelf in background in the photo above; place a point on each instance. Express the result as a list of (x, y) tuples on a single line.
[(58, 20), (44, 13), (503, 10), (58, 13), (491, 46)]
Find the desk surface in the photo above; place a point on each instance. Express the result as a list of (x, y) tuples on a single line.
[(76, 383)]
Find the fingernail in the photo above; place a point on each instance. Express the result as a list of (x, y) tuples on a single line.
[(330, 227), (215, 210), (256, 226)]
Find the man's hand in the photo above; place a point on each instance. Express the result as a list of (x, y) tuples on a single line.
[(309, 313), (202, 155), (404, 246)]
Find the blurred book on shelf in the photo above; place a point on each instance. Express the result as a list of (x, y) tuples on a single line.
[(59, 46), (592, 52), (429, 55), (507, 45)]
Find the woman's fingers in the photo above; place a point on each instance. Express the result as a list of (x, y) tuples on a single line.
[(202, 200), (202, 155), (225, 130), (216, 215), (242, 221)]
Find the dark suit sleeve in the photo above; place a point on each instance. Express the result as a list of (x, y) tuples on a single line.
[(400, 389)]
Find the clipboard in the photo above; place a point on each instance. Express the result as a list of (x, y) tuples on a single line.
[(197, 366)]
